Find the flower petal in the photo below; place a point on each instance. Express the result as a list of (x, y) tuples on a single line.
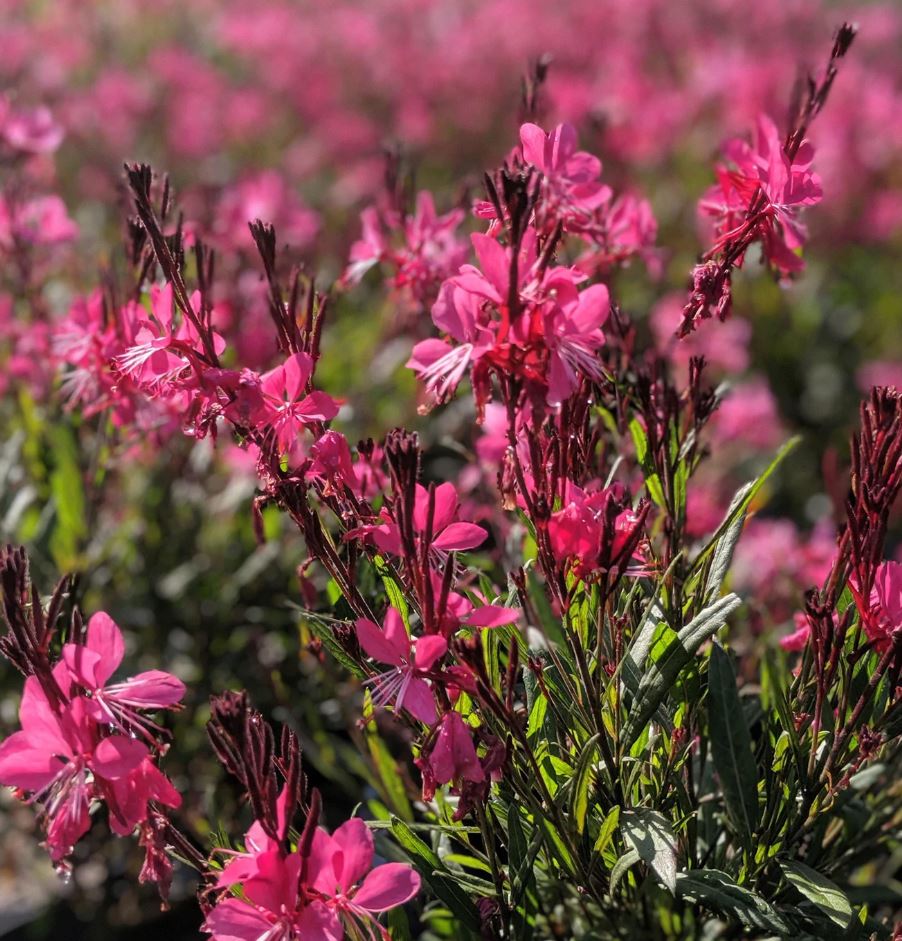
[(27, 767), (105, 639), (117, 755), (355, 841), (460, 536), (374, 642), (235, 920), (492, 615), (153, 689), (429, 648), (387, 886)]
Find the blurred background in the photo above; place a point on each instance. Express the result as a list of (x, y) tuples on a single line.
[(291, 112)]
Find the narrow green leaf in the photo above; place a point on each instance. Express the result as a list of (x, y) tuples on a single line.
[(828, 897), (723, 548), (661, 675), (321, 630), (718, 892), (731, 745), (628, 859), (582, 780), (608, 827), (649, 833), (438, 879)]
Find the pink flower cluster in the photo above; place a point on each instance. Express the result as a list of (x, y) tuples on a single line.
[(763, 188), (307, 892), (515, 313), (85, 740)]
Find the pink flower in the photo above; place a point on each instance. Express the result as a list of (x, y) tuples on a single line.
[(163, 352), (339, 869), (404, 686), (448, 533), (882, 617), (573, 336), (748, 414), (593, 530), (799, 638), (333, 464), (423, 248), (288, 896), (91, 664), (266, 196), (287, 407), (59, 758), (43, 220), (571, 190), (274, 907), (453, 756), (786, 187), (32, 131)]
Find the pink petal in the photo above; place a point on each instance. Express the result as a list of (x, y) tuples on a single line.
[(83, 665), (460, 536), (445, 506), (532, 141), (418, 700), (239, 869), (492, 615), (105, 638), (355, 841), (593, 310), (153, 689), (494, 263), (387, 886), (319, 923), (454, 754), (562, 380), (276, 884), (234, 920), (117, 755), (318, 406), (161, 304), (428, 649), (297, 371), (375, 643), (427, 352), (27, 767), (321, 863), (396, 632), (562, 145), (39, 722)]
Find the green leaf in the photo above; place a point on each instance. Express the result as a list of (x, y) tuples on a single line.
[(67, 489), (633, 665), (608, 826), (628, 859), (826, 895), (649, 833), (652, 481), (321, 630), (537, 715), (398, 926), (582, 780), (393, 590), (731, 745), (387, 771), (661, 675), (438, 879), (521, 857), (723, 548), (719, 893)]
